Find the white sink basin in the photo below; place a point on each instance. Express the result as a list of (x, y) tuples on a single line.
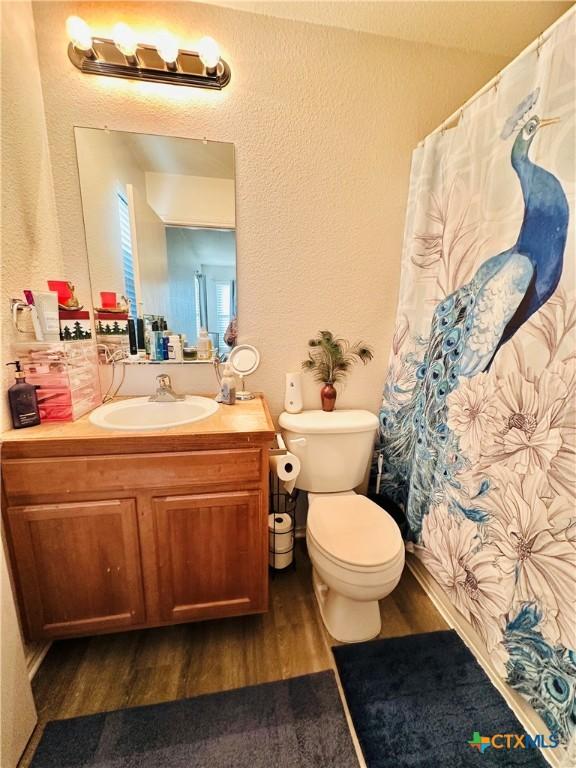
[(139, 413)]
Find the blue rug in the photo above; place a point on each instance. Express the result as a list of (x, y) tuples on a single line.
[(417, 701), (295, 723)]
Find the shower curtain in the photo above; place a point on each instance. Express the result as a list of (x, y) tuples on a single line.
[(477, 445)]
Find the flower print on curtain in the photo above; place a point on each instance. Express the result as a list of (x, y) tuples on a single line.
[(478, 419)]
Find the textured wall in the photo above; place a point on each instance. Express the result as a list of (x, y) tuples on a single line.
[(107, 168), (30, 238), (323, 121)]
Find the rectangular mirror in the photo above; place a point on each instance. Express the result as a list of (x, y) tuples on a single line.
[(159, 216)]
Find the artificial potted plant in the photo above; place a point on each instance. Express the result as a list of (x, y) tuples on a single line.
[(331, 359)]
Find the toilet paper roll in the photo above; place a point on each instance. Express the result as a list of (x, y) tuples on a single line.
[(280, 560), (280, 532), (286, 466), (280, 523)]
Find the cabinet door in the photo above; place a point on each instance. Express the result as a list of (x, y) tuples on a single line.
[(211, 555), (78, 566)]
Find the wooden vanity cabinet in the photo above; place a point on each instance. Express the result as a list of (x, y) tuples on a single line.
[(78, 566), (103, 543), (206, 555)]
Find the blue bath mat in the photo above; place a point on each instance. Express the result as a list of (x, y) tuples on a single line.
[(417, 702), (295, 723)]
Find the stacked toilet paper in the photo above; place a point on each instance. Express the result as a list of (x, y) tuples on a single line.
[(286, 467), (281, 540)]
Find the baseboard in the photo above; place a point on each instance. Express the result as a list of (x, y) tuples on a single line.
[(34, 654), (530, 720)]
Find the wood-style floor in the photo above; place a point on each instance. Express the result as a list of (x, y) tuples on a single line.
[(94, 674)]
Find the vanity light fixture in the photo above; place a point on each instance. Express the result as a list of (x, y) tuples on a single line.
[(165, 62), (209, 53), (167, 47), (125, 40), (80, 36)]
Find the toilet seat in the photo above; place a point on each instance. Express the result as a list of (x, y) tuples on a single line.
[(354, 532)]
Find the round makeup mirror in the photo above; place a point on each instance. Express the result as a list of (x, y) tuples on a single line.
[(244, 360)]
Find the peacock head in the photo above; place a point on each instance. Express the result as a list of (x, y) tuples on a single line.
[(527, 133)]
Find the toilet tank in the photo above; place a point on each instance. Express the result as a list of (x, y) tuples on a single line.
[(334, 448)]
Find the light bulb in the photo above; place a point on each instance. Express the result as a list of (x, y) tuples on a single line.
[(125, 39), (167, 47), (209, 52), (79, 33)]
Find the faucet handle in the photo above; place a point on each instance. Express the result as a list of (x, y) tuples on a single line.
[(164, 381)]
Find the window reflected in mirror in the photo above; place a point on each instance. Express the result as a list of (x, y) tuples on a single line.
[(159, 216)]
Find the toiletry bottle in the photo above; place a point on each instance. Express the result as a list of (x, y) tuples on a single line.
[(175, 347), (171, 350), (204, 345), (153, 333), (147, 340), (159, 346), (157, 340), (165, 355), (132, 339), (141, 338), (23, 401), (228, 386)]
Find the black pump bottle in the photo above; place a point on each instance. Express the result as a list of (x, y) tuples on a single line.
[(23, 401)]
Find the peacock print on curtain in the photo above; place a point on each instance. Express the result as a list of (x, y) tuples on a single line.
[(478, 420)]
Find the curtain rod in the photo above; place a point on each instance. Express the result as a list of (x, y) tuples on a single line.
[(535, 44)]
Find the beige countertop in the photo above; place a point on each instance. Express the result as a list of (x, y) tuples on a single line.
[(244, 424)]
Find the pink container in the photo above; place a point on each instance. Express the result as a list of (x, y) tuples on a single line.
[(66, 375)]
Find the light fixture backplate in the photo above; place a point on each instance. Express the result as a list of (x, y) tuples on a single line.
[(110, 62)]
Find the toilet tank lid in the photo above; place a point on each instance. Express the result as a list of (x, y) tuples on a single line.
[(322, 422)]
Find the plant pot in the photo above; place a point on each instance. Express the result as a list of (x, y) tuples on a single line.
[(328, 394)]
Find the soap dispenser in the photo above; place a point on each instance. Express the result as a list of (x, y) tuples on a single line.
[(228, 386), (23, 401)]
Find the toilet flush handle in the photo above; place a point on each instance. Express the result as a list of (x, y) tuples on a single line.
[(298, 441)]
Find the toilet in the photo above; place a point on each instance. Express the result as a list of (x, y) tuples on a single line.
[(355, 546)]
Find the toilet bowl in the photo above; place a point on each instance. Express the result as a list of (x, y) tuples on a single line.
[(355, 546), (357, 555)]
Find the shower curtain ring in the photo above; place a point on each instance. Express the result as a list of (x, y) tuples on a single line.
[(539, 45)]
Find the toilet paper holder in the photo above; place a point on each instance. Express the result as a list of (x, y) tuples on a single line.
[(279, 448), (281, 536)]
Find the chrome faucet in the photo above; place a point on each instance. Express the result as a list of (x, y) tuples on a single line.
[(164, 392)]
